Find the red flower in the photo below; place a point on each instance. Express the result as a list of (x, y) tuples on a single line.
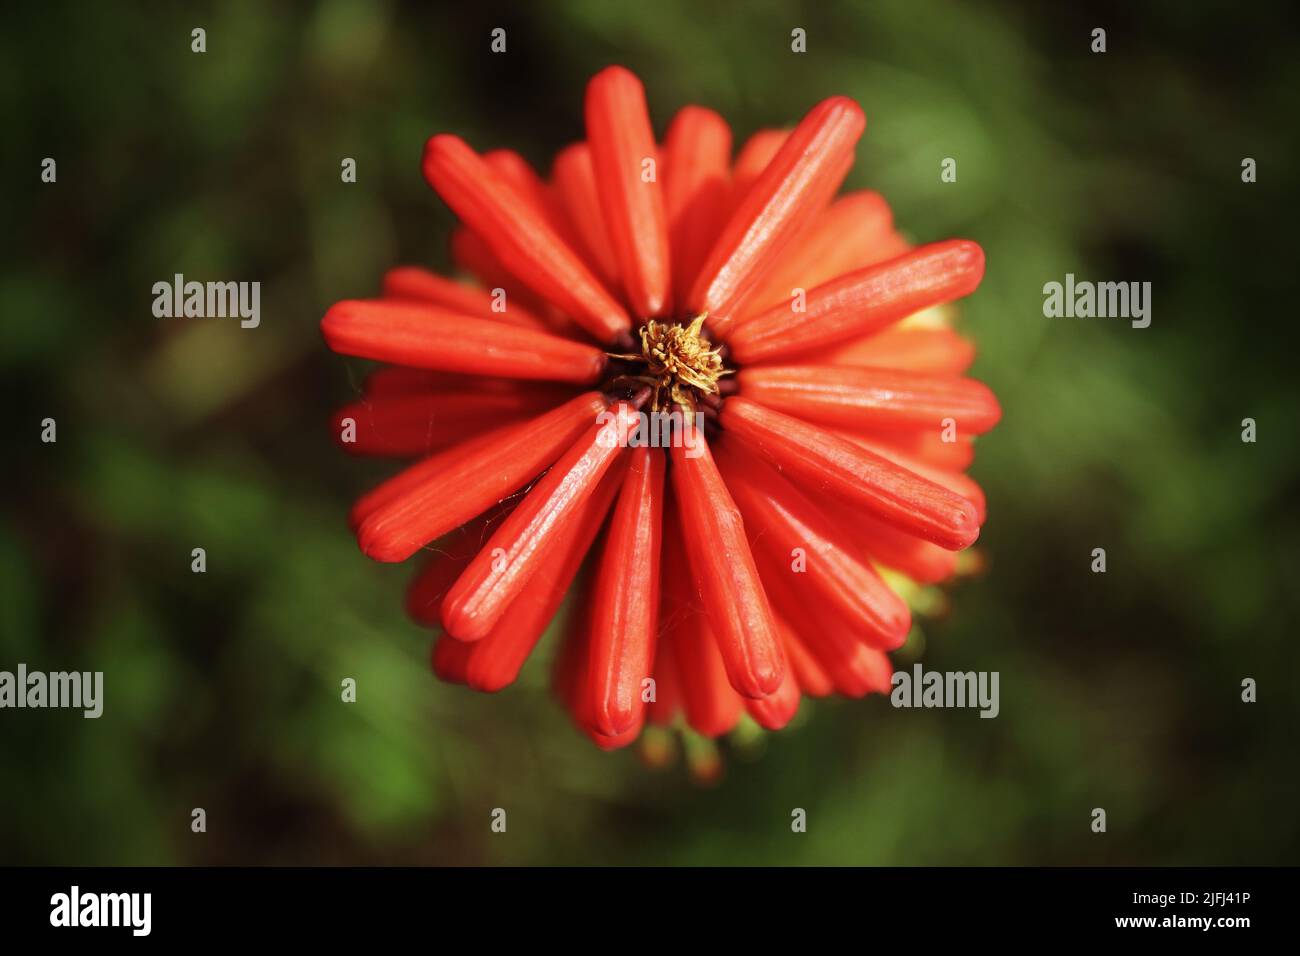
[(730, 574)]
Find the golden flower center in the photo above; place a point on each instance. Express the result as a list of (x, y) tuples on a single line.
[(678, 362)]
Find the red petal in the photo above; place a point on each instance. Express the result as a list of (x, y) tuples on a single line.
[(725, 577), (851, 664), (444, 491), (497, 659), (856, 230), (862, 302), (781, 520), (813, 680), (421, 285), (872, 398), (921, 561), (576, 181), (625, 598), (449, 659), (523, 542), (836, 466), (425, 593), (520, 236), (776, 710), (954, 481), (937, 351), (754, 157), (621, 140), (795, 186), (414, 424), (426, 336), (470, 253), (697, 151)]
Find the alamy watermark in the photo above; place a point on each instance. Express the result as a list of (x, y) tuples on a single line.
[(208, 300), (36, 689), (672, 429), (948, 689), (1102, 300)]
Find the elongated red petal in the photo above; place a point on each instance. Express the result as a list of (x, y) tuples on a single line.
[(450, 658), (622, 141), (515, 552), (697, 152), (777, 709), (856, 230), (575, 180), (520, 236), (853, 666), (425, 593), (421, 285), (470, 253), (937, 351), (444, 491), (812, 677), (954, 481), (795, 186), (929, 446), (836, 466), (920, 560), (861, 302), (496, 660), (663, 710), (412, 424), (711, 706), (805, 546), (625, 598), (427, 336), (725, 577), (872, 398), (754, 157)]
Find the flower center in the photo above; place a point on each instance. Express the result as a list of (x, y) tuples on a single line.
[(678, 362)]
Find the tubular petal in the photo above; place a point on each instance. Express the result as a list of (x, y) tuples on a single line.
[(847, 661), (427, 336), (496, 660), (954, 481), (813, 680), (425, 593), (795, 186), (421, 285), (937, 351), (725, 576), (834, 465), (928, 446), (444, 491), (408, 425), (778, 709), (921, 561), (856, 230), (575, 179), (514, 553), (697, 151), (754, 157), (520, 236), (872, 398), (449, 659), (625, 598), (621, 141), (804, 545), (470, 253), (862, 302)]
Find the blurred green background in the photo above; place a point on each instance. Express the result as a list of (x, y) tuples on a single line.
[(1119, 691)]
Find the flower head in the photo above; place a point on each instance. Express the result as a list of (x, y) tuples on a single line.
[(732, 574)]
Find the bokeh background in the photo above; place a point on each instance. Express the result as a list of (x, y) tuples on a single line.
[(1119, 691)]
